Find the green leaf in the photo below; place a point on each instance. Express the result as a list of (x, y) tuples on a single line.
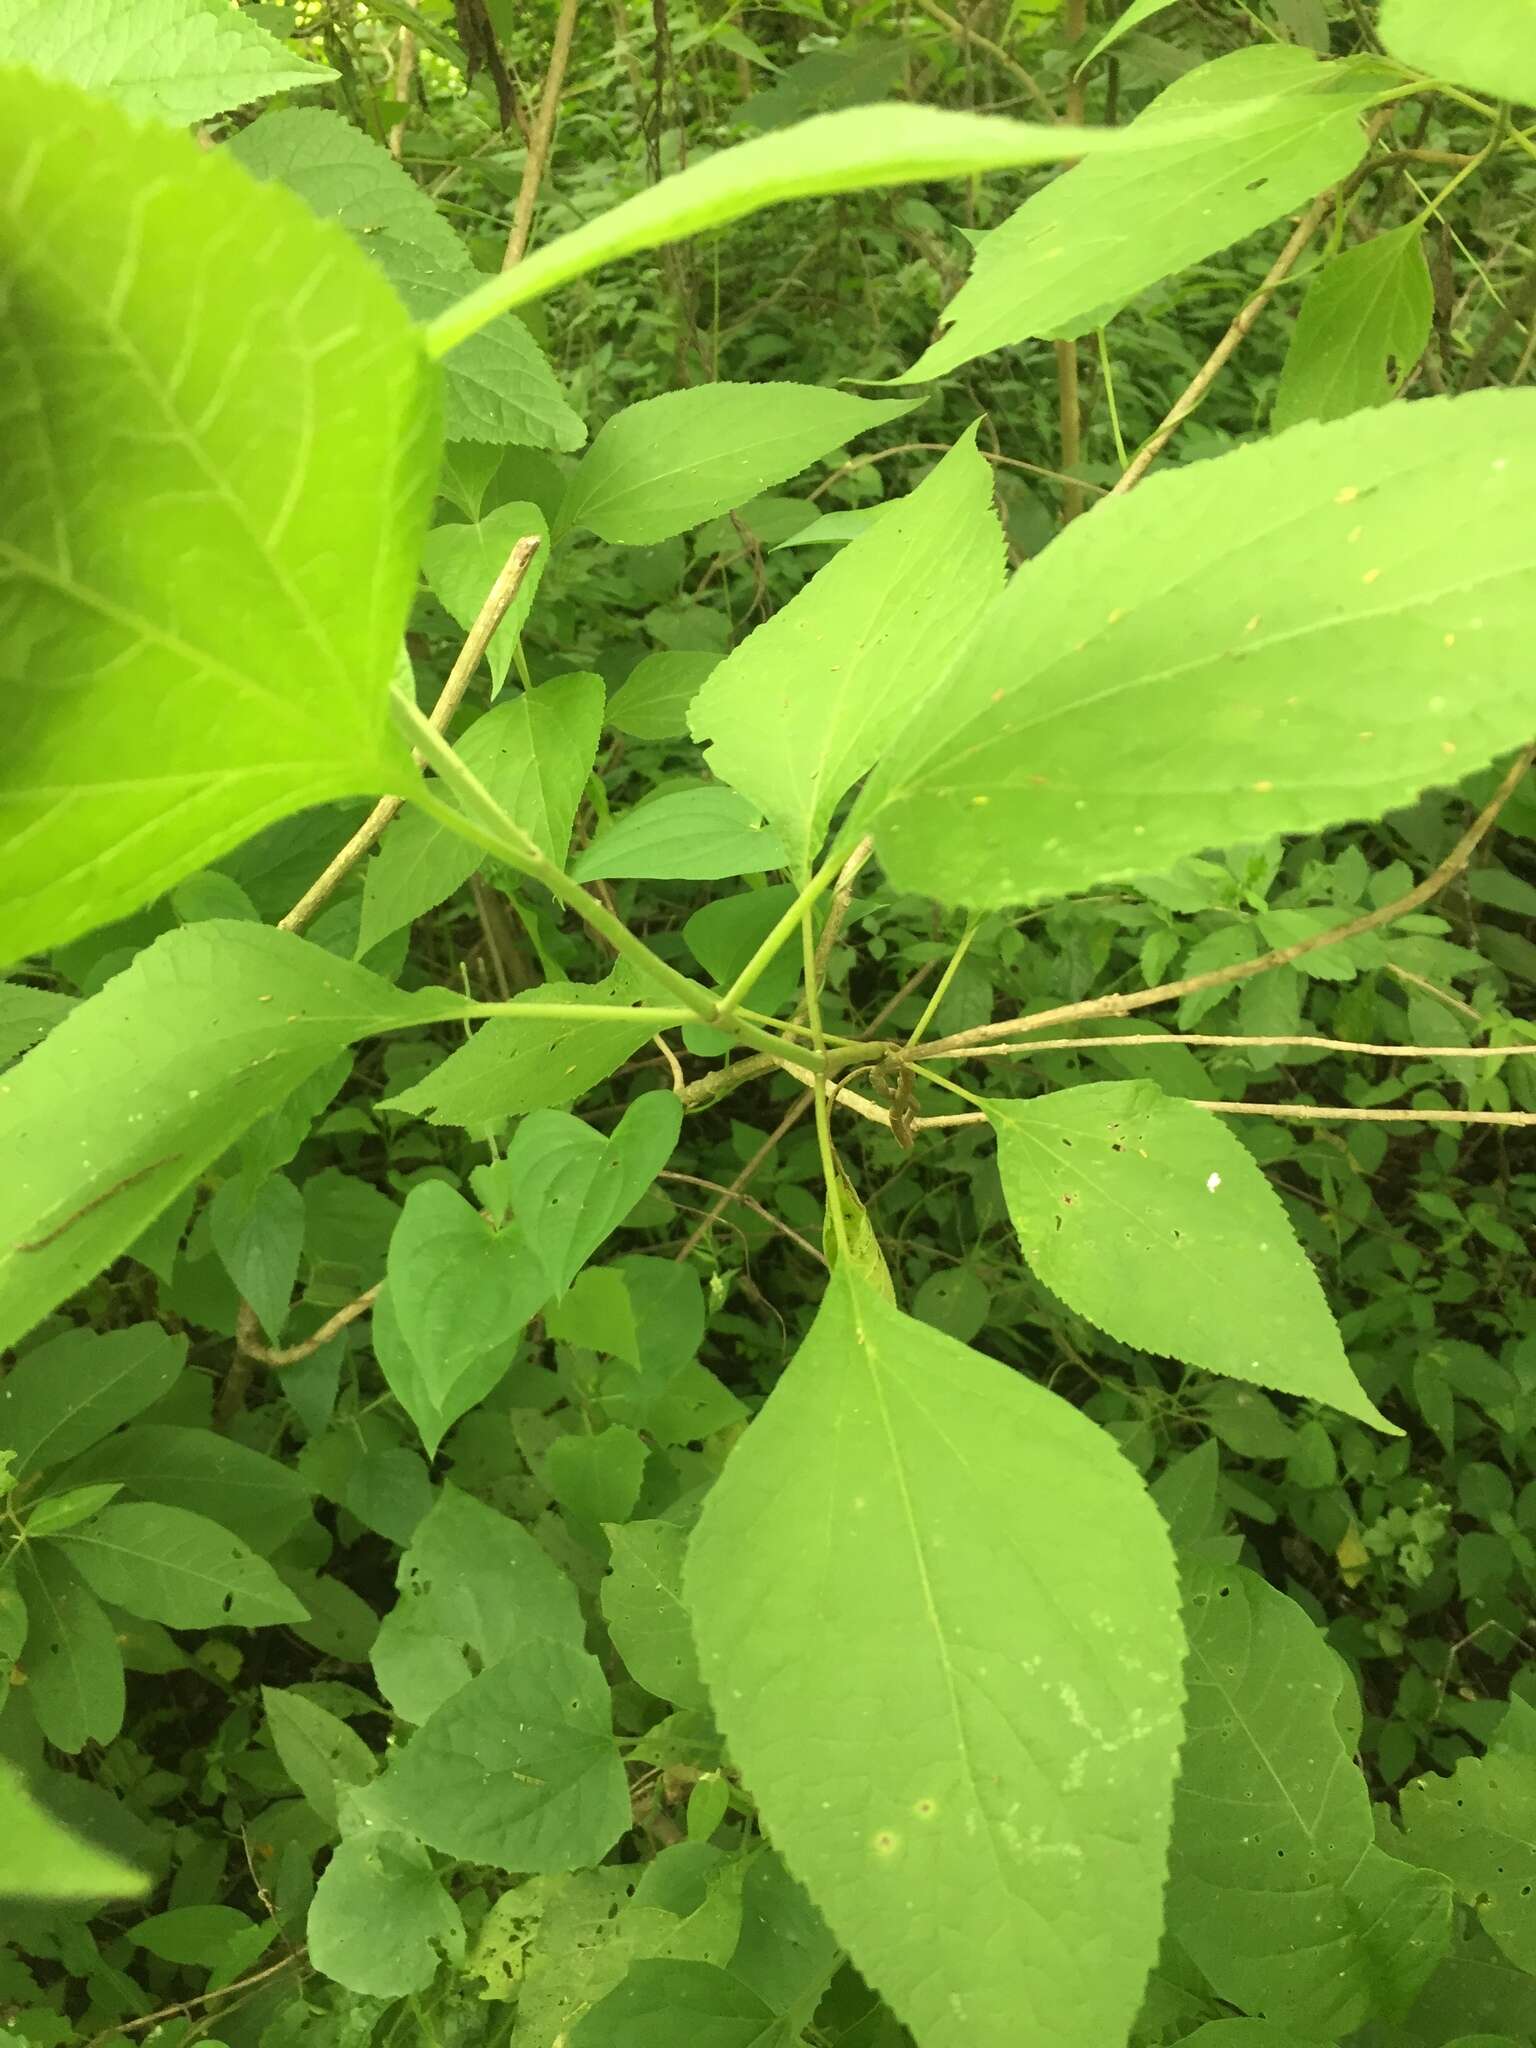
[(170, 1565), (42, 1860), (474, 1587), (1278, 640), (256, 1498), (258, 1234), (669, 463), (460, 1289), (207, 640), (596, 1479), (143, 1086), (70, 1392), (1286, 126), (810, 701), (518, 1769), (27, 1015), (510, 1067), (1242, 2034), (73, 1665), (574, 1187), (1363, 326), (1276, 1887), (643, 1606), (499, 388), (1147, 1216), (1478, 1826), (190, 1935), (434, 1408), (992, 1854), (462, 560), (534, 754), (57, 1511), (864, 1254), (658, 1999), (167, 60), (1135, 14), (703, 834), (319, 1752), (1490, 47), (852, 151), (652, 702), (381, 1922)]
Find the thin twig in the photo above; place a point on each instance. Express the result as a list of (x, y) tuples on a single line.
[(497, 604), (679, 1080), (1054, 476), (735, 1194), (1370, 1116), (540, 136), (1384, 1052), (400, 86), (202, 1998), (248, 1332), (1282, 956), (995, 51)]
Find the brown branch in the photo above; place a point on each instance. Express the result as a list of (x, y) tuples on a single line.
[(1282, 956), (995, 51), (736, 1194), (1370, 1116), (497, 604), (186, 2005), (248, 1332), (400, 86), (540, 136), (1384, 1052)]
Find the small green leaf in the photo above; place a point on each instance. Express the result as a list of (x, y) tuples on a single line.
[(510, 1067), (518, 1769), (463, 559), (660, 2002), (1277, 640), (1363, 326), (142, 1087), (1478, 1826), (669, 463), (1285, 127), (573, 1187), (474, 1586), (1146, 1216), (642, 1601), (1490, 47), (208, 643), (75, 1389), (190, 1935), (1134, 15), (320, 1753), (810, 701), (56, 1511), (652, 702), (42, 1860), (703, 834), (73, 1665), (882, 1525), (169, 60), (258, 1234), (596, 1479), (460, 1289), (381, 1922), (170, 1565)]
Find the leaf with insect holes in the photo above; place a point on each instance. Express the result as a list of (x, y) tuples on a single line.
[(46, 1861), (170, 60), (169, 1565), (131, 1099), (811, 700), (1148, 1217), (381, 1920), (203, 592), (1362, 327), (669, 463), (992, 1854), (73, 1665), (1277, 640)]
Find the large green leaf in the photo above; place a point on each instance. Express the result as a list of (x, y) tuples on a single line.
[(534, 754), (672, 462), (175, 60), (381, 1921), (1078, 250), (70, 1392), (1478, 1826), (1362, 328), (937, 1617), (846, 152), (809, 702), (518, 1768), (572, 1186), (1276, 1887), (220, 446), (1490, 46), (170, 1565), (474, 1585), (142, 1087), (1281, 639), (1147, 1216), (73, 1666), (42, 1860), (259, 1499), (499, 387), (661, 2002)]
